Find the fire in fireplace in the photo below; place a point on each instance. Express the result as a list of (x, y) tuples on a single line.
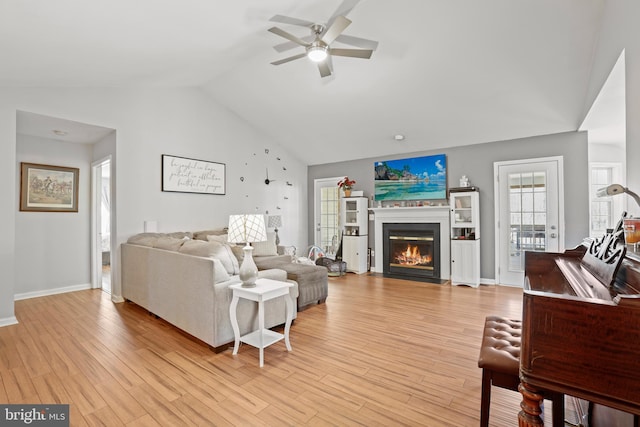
[(412, 257), (412, 251)]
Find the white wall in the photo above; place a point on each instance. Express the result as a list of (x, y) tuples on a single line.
[(609, 153), (149, 123), (52, 248), (620, 31)]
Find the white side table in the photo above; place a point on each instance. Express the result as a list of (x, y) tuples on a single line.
[(264, 290)]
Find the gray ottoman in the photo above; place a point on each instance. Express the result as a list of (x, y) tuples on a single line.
[(312, 281)]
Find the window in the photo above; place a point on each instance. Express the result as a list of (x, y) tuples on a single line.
[(605, 211), (329, 219)]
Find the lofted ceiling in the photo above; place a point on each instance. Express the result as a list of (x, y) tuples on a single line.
[(446, 72)]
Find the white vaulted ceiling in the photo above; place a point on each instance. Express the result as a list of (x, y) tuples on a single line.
[(446, 72)]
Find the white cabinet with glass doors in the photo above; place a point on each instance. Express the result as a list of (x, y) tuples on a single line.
[(354, 219), (465, 236)]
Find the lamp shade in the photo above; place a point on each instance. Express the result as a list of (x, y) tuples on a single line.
[(614, 189), (247, 228), (274, 221)]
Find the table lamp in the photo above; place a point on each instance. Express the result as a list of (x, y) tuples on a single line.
[(275, 221), (247, 229)]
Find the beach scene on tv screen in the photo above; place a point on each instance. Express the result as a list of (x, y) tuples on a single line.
[(414, 178)]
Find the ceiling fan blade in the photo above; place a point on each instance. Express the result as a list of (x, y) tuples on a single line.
[(288, 36), (343, 10), (289, 59), (357, 42), (292, 21), (335, 29), (283, 47), (352, 53), (325, 70)]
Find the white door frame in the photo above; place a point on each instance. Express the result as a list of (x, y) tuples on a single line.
[(317, 185), (496, 193), (96, 204)]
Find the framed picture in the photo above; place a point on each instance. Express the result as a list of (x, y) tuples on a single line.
[(46, 188), (183, 175)]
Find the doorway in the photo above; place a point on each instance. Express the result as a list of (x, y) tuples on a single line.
[(327, 215), (101, 225), (529, 213)]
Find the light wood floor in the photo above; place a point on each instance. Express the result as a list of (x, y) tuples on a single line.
[(380, 352)]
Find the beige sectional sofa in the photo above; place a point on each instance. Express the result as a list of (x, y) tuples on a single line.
[(185, 281), (184, 277)]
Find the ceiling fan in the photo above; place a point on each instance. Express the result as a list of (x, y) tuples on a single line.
[(317, 45)]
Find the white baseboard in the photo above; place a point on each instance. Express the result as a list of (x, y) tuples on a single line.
[(47, 292), (487, 281), (8, 321)]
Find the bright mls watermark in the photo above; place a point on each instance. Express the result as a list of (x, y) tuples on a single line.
[(34, 415)]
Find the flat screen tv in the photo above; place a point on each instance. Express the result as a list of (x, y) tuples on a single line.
[(414, 178)]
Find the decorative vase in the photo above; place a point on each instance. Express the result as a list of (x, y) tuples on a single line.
[(347, 192)]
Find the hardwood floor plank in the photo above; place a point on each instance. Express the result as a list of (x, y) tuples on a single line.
[(198, 412), (9, 356), (104, 417), (18, 385), (118, 369), (50, 389), (126, 408), (162, 410), (144, 421), (378, 352), (283, 396), (83, 394)]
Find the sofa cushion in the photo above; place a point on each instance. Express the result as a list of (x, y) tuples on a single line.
[(180, 234), (273, 274), (212, 250), (168, 243), (202, 235), (144, 239), (267, 248), (265, 262)]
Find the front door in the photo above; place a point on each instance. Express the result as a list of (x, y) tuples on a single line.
[(528, 213)]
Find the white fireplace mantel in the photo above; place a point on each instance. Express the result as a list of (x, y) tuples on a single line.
[(424, 214)]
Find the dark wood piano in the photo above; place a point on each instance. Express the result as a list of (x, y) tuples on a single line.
[(581, 327)]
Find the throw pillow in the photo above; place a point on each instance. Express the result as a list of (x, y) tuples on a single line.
[(212, 250), (267, 248), (220, 238), (238, 252), (169, 243), (181, 234), (202, 235), (219, 272)]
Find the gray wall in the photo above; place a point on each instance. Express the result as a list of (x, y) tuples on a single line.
[(53, 248), (476, 161)]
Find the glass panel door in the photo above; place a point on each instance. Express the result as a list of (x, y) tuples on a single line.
[(327, 215), (528, 214)]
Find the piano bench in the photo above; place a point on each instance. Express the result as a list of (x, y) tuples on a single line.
[(500, 363)]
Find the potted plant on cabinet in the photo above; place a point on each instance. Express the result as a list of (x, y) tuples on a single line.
[(345, 184)]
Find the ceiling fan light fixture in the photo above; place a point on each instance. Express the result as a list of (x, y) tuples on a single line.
[(317, 53)]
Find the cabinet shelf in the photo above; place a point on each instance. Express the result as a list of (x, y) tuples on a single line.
[(465, 238), (354, 217)]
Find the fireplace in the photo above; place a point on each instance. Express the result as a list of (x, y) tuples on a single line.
[(412, 251)]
